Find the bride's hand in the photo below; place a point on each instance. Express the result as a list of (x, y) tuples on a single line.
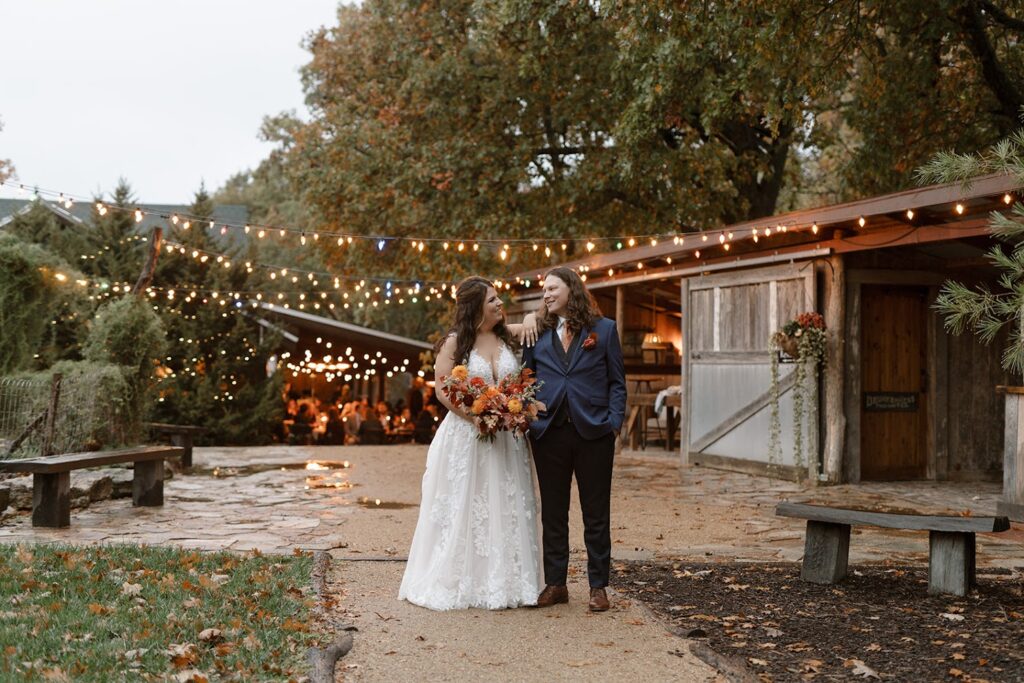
[(529, 331)]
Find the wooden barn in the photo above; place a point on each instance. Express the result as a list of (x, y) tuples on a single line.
[(898, 398)]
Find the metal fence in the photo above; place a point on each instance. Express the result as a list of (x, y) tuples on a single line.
[(60, 415)]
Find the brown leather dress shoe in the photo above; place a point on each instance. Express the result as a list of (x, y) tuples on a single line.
[(552, 595), (599, 600)]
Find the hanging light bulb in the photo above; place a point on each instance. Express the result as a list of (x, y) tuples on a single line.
[(910, 214), (861, 221), (1007, 198), (959, 208)]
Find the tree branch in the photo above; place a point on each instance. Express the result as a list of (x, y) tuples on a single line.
[(1001, 16), (1009, 96)]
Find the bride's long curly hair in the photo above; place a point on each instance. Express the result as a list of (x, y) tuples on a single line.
[(583, 309), (470, 296)]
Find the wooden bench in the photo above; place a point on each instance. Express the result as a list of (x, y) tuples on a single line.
[(951, 556), (181, 435), (51, 478)]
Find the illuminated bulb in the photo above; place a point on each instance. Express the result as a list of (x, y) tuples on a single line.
[(590, 246), (302, 239), (959, 208), (261, 234), (138, 215), (639, 266), (187, 225), (631, 242), (861, 222), (721, 239), (476, 246), (547, 251), (174, 219), (726, 247), (445, 245), (564, 246), (910, 214), (611, 271), (814, 228), (704, 238), (1007, 198), (461, 246), (654, 241)]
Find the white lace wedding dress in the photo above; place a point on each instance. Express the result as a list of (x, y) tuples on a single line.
[(476, 539)]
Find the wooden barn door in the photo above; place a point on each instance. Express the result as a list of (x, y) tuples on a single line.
[(727, 321), (894, 382)]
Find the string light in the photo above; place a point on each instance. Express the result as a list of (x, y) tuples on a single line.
[(910, 214), (1007, 198), (959, 208)]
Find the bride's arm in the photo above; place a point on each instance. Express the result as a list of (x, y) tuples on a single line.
[(527, 331), (443, 365)]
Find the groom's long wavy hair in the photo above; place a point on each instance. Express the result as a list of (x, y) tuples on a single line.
[(470, 296), (583, 309)]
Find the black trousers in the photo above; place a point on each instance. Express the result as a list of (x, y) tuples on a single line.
[(559, 454)]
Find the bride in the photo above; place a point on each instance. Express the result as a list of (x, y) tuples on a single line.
[(475, 543)]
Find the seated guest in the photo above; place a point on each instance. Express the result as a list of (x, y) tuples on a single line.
[(350, 416), (424, 431), (371, 431), (334, 429)]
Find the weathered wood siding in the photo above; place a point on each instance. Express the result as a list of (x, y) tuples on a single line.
[(976, 411)]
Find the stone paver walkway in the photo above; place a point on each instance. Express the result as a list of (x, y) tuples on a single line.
[(362, 509)]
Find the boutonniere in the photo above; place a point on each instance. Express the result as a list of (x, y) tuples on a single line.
[(591, 341)]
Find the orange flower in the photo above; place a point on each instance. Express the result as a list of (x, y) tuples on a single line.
[(479, 406), (460, 372), (477, 382), (491, 392), (515, 406)]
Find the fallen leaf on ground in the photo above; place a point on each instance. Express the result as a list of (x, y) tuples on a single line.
[(860, 668), (128, 588), (952, 617), (873, 647), (211, 635)]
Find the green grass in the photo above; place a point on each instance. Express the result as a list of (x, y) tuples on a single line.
[(126, 612)]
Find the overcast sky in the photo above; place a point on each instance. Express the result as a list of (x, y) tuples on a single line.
[(166, 94)]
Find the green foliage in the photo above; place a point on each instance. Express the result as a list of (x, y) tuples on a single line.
[(126, 332), (980, 309), (78, 615), (212, 373), (40, 314), (116, 253), (513, 118)]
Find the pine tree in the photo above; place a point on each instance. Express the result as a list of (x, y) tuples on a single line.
[(980, 309), (116, 247), (213, 374)]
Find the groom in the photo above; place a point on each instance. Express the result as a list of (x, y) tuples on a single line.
[(579, 359)]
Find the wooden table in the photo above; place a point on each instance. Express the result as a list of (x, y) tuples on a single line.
[(637, 407)]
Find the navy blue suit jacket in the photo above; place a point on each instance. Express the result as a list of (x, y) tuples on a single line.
[(594, 384)]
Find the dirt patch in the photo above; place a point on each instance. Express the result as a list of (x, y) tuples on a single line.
[(879, 623)]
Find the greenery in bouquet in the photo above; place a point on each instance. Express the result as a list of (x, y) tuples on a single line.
[(509, 406), (803, 339)]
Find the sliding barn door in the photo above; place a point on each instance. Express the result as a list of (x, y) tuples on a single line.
[(727, 323)]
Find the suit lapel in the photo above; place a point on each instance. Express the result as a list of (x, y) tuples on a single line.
[(575, 350)]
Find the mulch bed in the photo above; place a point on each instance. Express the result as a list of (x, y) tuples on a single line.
[(880, 623)]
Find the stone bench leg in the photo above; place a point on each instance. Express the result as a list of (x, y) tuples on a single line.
[(951, 559), (826, 552), (148, 483), (51, 499), (185, 441)]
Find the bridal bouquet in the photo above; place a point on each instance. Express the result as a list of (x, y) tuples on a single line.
[(509, 406)]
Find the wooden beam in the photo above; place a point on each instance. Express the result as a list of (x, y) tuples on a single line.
[(155, 239), (685, 375), (835, 365), (620, 311)]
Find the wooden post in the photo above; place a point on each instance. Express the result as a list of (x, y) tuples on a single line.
[(835, 366), (49, 431), (826, 552), (684, 379), (155, 240), (951, 566), (51, 499), (185, 441), (620, 311), (1012, 503), (148, 483)]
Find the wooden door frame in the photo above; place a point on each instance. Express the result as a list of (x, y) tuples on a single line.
[(797, 270), (937, 416)]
